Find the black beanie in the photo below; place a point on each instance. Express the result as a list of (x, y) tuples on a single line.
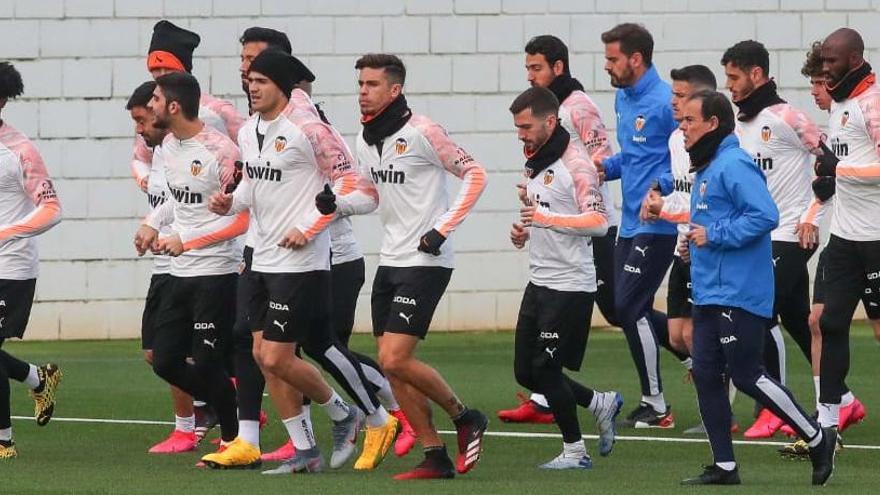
[(282, 69), (176, 41)]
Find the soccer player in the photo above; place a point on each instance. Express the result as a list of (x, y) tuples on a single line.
[(852, 410), (853, 251), (183, 438), (732, 215), (408, 157), (670, 200), (29, 206), (347, 265), (565, 208), (644, 250), (783, 142), (290, 154), (196, 314), (547, 67), (171, 50)]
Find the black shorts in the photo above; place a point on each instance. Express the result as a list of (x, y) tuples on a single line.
[(158, 290), (244, 295), (195, 317), (347, 280), (679, 300), (553, 325), (16, 299), (870, 298), (292, 307), (404, 298)]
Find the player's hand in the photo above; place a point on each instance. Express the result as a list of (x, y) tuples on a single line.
[(600, 168), (294, 239), (170, 245), (144, 184), (519, 235), (826, 163), (527, 215), (430, 242), (808, 235), (697, 235), (144, 239), (824, 188), (325, 201), (651, 206), (684, 250), (523, 194), (220, 203)]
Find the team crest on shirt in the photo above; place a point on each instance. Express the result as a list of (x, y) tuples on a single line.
[(640, 122), (400, 146), (195, 167), (548, 177), (844, 118), (703, 186), (280, 143), (765, 134)]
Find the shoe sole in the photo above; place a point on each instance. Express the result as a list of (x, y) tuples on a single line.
[(383, 450), (214, 465), (619, 403)]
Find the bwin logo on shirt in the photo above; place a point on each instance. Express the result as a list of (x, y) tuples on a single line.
[(185, 196), (763, 162), (265, 172), (389, 176)]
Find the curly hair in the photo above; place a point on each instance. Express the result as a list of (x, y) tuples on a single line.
[(10, 81), (813, 64)]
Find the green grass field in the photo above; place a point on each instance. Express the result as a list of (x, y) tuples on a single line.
[(108, 379)]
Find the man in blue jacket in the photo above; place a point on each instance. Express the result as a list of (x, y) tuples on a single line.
[(732, 215), (644, 250)]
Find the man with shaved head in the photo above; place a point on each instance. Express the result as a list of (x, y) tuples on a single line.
[(854, 248)]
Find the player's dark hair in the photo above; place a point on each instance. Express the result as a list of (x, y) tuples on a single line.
[(141, 96), (541, 101), (11, 85), (633, 38), (393, 67), (715, 104), (184, 89), (698, 76), (747, 54), (813, 64), (551, 47), (274, 39)]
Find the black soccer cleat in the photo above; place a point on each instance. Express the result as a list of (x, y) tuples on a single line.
[(714, 475), (822, 456)]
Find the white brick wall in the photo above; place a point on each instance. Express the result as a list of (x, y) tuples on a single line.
[(81, 59)]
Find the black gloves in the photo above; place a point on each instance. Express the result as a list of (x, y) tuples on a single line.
[(823, 188), (826, 164), (236, 178), (325, 201), (430, 242)]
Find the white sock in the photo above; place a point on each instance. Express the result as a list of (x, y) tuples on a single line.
[(829, 414), (336, 408), (731, 392), (6, 434), (816, 389), (727, 466), (539, 400), (847, 399), (249, 431), (817, 439), (658, 402), (575, 449), (688, 363), (599, 402), (33, 378), (300, 430), (378, 418), (187, 424), (384, 392)]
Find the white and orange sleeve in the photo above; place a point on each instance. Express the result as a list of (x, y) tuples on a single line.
[(867, 173), (38, 186), (591, 220), (141, 160)]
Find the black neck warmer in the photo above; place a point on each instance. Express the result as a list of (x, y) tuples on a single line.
[(761, 98), (563, 86), (702, 151), (850, 81), (549, 152), (387, 122)]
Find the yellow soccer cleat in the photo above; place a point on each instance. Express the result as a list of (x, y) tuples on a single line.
[(44, 400), (377, 443), (7, 450), (239, 454)]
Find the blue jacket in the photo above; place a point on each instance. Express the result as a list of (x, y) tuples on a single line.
[(644, 123), (731, 200)]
